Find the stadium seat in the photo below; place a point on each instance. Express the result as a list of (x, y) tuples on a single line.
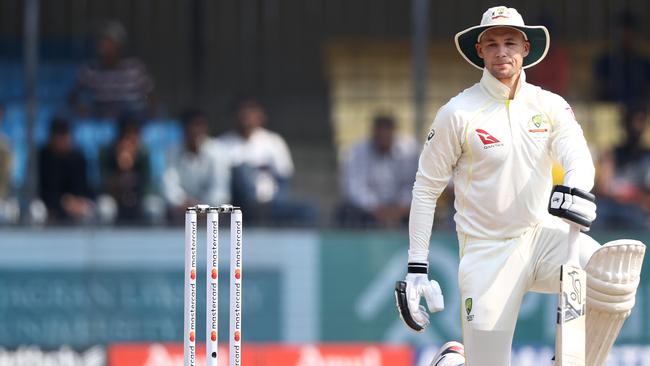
[(15, 127), (55, 80), (12, 84)]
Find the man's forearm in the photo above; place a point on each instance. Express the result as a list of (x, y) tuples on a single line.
[(423, 207)]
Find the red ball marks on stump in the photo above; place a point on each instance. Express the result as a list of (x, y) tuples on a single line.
[(214, 273), (191, 336), (237, 273), (213, 336), (193, 274), (237, 336)]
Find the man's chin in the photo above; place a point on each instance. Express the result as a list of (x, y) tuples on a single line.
[(502, 74)]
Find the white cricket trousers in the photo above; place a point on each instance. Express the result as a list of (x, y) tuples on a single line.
[(493, 277)]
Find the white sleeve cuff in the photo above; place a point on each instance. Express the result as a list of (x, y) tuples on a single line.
[(418, 256)]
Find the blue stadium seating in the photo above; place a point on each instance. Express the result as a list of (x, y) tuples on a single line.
[(12, 85), (15, 127), (54, 83), (89, 135)]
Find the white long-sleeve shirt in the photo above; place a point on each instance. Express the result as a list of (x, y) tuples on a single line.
[(263, 148), (499, 153)]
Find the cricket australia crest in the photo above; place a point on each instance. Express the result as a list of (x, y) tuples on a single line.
[(468, 309)]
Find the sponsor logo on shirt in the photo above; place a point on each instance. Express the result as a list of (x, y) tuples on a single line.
[(537, 124), (487, 139), (539, 128), (431, 134), (468, 309)]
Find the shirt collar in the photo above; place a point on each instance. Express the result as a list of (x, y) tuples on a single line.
[(497, 89)]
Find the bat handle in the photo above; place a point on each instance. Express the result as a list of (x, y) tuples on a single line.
[(574, 245)]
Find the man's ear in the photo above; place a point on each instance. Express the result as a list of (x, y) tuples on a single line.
[(526, 48), (479, 50)]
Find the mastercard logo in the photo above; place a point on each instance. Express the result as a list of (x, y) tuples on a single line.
[(237, 336), (214, 273), (193, 274), (213, 336), (191, 336), (237, 273)]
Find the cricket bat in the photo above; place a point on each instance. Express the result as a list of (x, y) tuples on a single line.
[(571, 308)]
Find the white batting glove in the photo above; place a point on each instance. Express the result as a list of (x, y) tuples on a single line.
[(409, 292)]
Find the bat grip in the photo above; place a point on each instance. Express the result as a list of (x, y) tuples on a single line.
[(574, 246)]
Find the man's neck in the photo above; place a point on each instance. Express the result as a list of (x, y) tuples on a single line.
[(382, 150), (110, 62), (512, 84)]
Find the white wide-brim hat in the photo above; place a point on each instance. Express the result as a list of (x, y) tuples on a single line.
[(502, 16)]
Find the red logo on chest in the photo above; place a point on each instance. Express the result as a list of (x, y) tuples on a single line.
[(486, 138)]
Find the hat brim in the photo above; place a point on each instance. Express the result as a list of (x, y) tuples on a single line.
[(537, 36)]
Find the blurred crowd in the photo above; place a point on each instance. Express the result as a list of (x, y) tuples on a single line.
[(96, 164), (248, 166), (114, 157)]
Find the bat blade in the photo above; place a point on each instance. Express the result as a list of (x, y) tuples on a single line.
[(571, 314)]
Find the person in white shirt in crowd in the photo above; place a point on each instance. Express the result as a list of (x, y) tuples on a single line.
[(498, 140), (262, 168), (199, 170), (377, 177)]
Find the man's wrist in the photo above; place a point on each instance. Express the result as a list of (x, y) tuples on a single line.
[(418, 267), (418, 256)]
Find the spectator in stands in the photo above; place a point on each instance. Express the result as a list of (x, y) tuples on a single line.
[(8, 204), (262, 168), (623, 73), (198, 172), (113, 85), (623, 179), (377, 178), (125, 173), (63, 183)]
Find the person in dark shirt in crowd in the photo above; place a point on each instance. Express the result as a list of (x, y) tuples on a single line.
[(113, 85), (125, 172), (63, 183), (623, 179)]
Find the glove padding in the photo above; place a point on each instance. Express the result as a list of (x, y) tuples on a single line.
[(574, 205), (408, 294)]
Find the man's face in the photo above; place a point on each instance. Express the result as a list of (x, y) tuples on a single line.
[(636, 126), (196, 131), (383, 136), (503, 50), (61, 142), (108, 50), (249, 117)]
